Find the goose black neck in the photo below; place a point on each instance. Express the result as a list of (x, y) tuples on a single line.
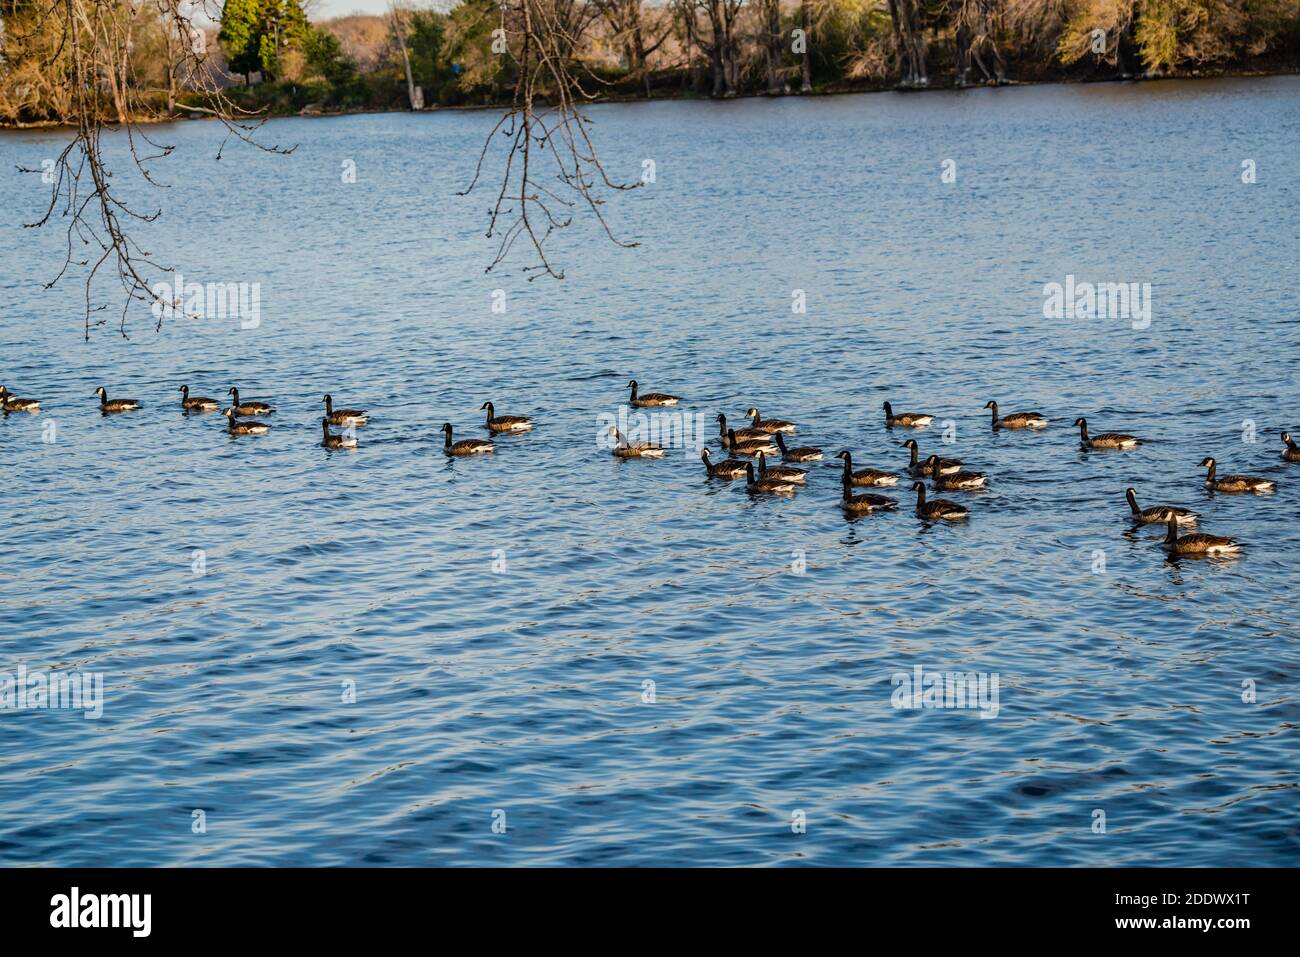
[(848, 465), (234, 394), (780, 441), (920, 496), (446, 434), (914, 450), (749, 473), (993, 407), (633, 390), (722, 426), (1132, 502), (708, 466), (731, 440), (1173, 530), (1083, 430), (847, 487), (1214, 466)]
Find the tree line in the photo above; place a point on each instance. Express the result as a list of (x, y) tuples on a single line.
[(269, 55)]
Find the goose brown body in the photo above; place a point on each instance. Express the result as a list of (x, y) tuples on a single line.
[(650, 398), (505, 423), (910, 420), (247, 408), (107, 405), (464, 446), (805, 453), (953, 481), (624, 449), (1158, 513), (786, 473), (769, 426), (749, 447), (939, 508), (1233, 483), (864, 478), (726, 469), (353, 417), (742, 434), (1198, 543), (197, 403), (918, 468), (1106, 440), (766, 486), (331, 441), (1016, 420), (235, 427), (863, 503), (11, 403)]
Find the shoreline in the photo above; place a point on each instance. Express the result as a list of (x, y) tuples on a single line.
[(188, 115)]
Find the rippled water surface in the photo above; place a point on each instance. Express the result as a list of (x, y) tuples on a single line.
[(499, 617)]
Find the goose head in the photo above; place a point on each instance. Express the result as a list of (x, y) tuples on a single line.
[(1207, 463), (100, 393)]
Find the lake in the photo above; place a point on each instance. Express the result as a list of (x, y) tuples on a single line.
[(550, 656)]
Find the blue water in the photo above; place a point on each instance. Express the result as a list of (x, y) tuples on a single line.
[(498, 617)]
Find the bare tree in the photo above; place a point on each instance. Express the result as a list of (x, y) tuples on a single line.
[(638, 37)]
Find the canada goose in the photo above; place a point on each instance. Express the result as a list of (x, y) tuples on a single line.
[(1016, 420), (505, 423), (464, 446), (1291, 453), (805, 453), (197, 403), (765, 486), (940, 508), (107, 405), (785, 473), (740, 433), (11, 403), (726, 469), (332, 441), (749, 447), (911, 420), (1198, 543), (1107, 440), (1158, 513), (1234, 483), (635, 450), (352, 417), (864, 503), (953, 481), (769, 426), (247, 408), (864, 477), (946, 466), (651, 398), (235, 427)]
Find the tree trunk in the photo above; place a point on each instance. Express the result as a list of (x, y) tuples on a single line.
[(805, 24), (774, 48), (909, 39)]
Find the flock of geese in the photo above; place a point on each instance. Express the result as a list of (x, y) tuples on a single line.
[(753, 444)]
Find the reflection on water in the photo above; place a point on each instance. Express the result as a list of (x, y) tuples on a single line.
[(358, 657)]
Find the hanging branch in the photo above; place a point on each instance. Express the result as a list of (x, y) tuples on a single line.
[(91, 47), (551, 167)]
